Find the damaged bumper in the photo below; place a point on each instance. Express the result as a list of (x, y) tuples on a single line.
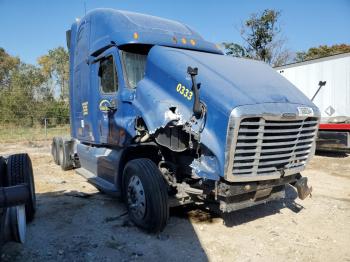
[(235, 196)]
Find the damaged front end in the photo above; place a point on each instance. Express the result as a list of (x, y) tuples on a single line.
[(178, 132), (192, 170), (187, 164), (229, 161)]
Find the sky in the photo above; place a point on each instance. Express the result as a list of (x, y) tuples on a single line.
[(28, 29)]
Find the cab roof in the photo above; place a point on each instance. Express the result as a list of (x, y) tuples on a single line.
[(123, 27)]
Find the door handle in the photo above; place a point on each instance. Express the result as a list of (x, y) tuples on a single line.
[(112, 109)]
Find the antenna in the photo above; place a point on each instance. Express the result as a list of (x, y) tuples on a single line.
[(320, 84)]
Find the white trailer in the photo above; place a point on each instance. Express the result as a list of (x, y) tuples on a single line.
[(333, 99)]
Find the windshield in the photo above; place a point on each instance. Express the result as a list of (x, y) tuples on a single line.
[(134, 66)]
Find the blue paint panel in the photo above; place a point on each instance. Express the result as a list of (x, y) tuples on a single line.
[(101, 162), (119, 26)]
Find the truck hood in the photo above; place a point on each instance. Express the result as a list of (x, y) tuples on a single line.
[(226, 83)]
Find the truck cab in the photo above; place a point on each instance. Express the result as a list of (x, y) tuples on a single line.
[(162, 118)]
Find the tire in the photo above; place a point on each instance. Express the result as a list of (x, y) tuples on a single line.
[(20, 171), (3, 172), (64, 154), (54, 150), (153, 214)]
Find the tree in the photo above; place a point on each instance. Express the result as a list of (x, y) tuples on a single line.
[(7, 64), (55, 65), (26, 96), (262, 41), (235, 50), (321, 51), (18, 103)]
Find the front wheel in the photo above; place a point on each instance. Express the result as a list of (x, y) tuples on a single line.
[(145, 193)]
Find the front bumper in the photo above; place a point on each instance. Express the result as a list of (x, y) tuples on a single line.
[(236, 196)]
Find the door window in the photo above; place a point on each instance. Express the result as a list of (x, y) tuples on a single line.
[(108, 76)]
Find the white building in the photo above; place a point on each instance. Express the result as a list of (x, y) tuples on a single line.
[(333, 99)]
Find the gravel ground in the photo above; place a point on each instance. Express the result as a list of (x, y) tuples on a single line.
[(76, 223)]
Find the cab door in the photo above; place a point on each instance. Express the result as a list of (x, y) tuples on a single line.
[(105, 96)]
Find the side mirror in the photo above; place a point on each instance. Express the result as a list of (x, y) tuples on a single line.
[(192, 71), (68, 38)]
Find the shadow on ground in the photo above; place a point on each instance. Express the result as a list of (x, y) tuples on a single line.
[(260, 211), (202, 214), (74, 226)]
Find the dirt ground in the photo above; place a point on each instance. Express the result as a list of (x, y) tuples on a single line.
[(76, 223)]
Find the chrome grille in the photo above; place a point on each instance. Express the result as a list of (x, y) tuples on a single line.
[(265, 147)]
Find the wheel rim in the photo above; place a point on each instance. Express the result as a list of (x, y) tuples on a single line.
[(61, 155), (136, 197), (18, 221)]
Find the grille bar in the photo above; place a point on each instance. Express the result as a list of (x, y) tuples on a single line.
[(260, 136), (268, 162), (243, 144), (277, 150), (264, 170), (278, 124), (269, 156), (245, 130)]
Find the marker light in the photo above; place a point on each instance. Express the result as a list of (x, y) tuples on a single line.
[(183, 40), (136, 36), (175, 40), (192, 42)]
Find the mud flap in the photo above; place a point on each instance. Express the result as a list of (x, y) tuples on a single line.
[(303, 189)]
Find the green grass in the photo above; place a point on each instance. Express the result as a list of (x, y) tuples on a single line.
[(17, 134)]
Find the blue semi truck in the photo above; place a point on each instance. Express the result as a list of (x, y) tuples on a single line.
[(163, 118)]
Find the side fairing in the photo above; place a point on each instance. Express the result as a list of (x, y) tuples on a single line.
[(72, 104)]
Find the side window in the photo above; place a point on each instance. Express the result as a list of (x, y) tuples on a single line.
[(108, 76)]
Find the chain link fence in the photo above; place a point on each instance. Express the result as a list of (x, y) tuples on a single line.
[(45, 129)]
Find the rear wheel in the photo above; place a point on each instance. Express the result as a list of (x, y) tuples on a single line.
[(20, 171), (145, 193), (64, 154), (54, 150)]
